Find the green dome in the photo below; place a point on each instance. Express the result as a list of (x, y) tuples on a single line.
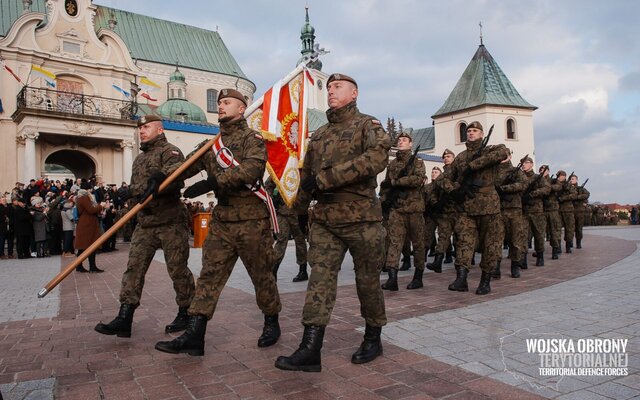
[(176, 76), (181, 110), (307, 28)]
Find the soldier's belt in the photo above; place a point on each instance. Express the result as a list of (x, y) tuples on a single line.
[(237, 201), (338, 197)]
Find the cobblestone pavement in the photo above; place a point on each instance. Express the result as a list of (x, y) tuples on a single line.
[(63, 347)]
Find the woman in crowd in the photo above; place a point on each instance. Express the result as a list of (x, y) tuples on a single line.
[(88, 227)]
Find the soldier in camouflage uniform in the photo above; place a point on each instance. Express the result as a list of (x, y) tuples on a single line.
[(289, 225), (472, 180), (537, 189), (239, 227), (566, 198), (512, 183), (430, 214), (403, 183), (582, 197), (552, 215), (447, 211), (340, 168), (162, 224)]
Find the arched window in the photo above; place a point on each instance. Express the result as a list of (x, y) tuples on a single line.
[(511, 129), (212, 100), (462, 135)]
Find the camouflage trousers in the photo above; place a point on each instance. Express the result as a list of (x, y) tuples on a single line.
[(446, 227), (226, 241), (327, 247), (488, 231), (579, 223), (569, 223), (515, 232), (174, 241), (430, 226), (554, 227), (289, 226), (538, 228), (403, 226)]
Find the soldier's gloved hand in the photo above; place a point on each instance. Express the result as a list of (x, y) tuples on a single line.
[(153, 184), (200, 188), (309, 184)]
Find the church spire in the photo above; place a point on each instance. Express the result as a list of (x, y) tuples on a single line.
[(307, 36)]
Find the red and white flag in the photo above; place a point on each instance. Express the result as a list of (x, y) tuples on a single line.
[(9, 70), (281, 116)]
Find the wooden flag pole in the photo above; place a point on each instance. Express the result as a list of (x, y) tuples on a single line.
[(112, 231)]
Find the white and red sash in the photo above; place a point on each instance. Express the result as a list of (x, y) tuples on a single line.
[(225, 159)]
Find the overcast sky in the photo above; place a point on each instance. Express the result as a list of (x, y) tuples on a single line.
[(577, 60)]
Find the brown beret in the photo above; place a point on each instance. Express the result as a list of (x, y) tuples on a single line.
[(224, 93), (475, 124), (341, 77), (404, 134), (561, 173), (447, 151), (527, 159), (542, 167), (145, 119)]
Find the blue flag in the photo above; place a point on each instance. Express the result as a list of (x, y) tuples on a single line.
[(121, 90)]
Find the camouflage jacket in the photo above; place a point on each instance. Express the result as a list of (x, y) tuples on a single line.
[(582, 196), (156, 155), (345, 155), (566, 197), (537, 189), (409, 198), (427, 193), (483, 174), (236, 202), (278, 202), (511, 196), (439, 200), (550, 202)]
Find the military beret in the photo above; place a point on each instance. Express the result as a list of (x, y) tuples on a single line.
[(436, 169), (543, 167), (224, 93), (404, 134), (341, 77), (475, 124), (561, 173), (447, 151), (527, 159), (145, 119)]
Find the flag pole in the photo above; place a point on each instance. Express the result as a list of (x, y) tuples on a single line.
[(257, 103)]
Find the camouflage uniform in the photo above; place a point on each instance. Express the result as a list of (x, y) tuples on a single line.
[(345, 156), (289, 225), (239, 225), (447, 212), (406, 219), (537, 189), (430, 217), (566, 198), (582, 196), (161, 224), (515, 228), (551, 207), (481, 214)]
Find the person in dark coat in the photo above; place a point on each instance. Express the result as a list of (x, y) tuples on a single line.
[(40, 221), (88, 228), (22, 227)]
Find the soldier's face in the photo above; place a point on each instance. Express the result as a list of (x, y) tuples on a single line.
[(448, 159), (574, 180), (562, 178), (404, 143), (230, 109), (434, 174), (150, 131), (474, 134), (526, 166), (341, 93)]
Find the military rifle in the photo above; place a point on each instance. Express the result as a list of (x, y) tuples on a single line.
[(526, 195), (585, 182), (467, 186), (394, 193), (509, 180)]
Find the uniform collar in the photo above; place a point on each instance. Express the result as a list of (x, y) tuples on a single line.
[(233, 126), (343, 113), (149, 145), (473, 146)]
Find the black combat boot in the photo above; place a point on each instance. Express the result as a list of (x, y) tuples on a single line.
[(270, 332), (460, 284), (484, 287), (432, 250), (191, 341), (121, 325), (180, 322), (515, 269), (524, 264), (371, 346), (406, 264), (555, 253), (569, 246), (436, 265), (302, 274), (81, 268), (473, 258), (578, 243), (449, 257), (495, 274), (416, 282), (540, 259), (392, 282), (307, 358)]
